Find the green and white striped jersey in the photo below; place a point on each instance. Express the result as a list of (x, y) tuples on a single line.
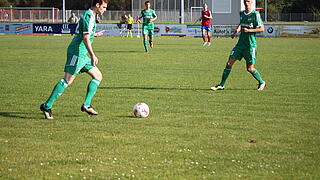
[(86, 24), (250, 21)]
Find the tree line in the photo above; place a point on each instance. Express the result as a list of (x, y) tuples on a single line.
[(291, 6), (274, 6)]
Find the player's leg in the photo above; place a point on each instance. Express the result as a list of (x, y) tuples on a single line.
[(208, 35), (145, 42), (151, 41), (250, 58), (56, 93), (234, 56), (145, 38), (227, 71), (150, 34), (93, 85), (204, 36), (255, 73), (225, 75), (130, 30), (127, 35)]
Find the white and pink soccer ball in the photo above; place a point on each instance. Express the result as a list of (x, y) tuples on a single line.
[(141, 110)]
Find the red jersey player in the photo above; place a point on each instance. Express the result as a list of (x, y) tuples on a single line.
[(206, 17)]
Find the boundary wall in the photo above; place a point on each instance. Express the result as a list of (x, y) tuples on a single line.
[(160, 29)]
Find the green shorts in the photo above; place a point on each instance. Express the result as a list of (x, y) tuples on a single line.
[(147, 30), (249, 54), (77, 64)]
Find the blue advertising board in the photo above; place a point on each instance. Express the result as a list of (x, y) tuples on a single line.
[(16, 28), (54, 28)]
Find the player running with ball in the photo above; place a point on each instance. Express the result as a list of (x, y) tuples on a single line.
[(78, 61), (250, 24), (149, 16)]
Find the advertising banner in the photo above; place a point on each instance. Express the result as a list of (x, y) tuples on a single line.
[(217, 30), (299, 30), (227, 30), (173, 30), (54, 28), (194, 30), (269, 31), (16, 28), (117, 29)]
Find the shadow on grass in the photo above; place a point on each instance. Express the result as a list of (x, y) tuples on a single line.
[(129, 117), (175, 89), (120, 51), (157, 88), (20, 115)]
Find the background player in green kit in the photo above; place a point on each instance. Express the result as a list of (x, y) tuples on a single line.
[(79, 62), (149, 16), (250, 24)]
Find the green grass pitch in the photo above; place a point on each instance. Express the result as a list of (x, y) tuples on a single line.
[(191, 133)]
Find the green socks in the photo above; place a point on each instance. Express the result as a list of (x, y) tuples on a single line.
[(92, 88), (145, 43), (257, 76), (227, 71), (225, 75), (57, 91)]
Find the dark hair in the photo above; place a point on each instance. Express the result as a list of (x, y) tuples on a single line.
[(145, 3), (94, 2)]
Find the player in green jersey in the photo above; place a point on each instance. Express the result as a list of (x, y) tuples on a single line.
[(250, 24), (78, 61), (149, 16)]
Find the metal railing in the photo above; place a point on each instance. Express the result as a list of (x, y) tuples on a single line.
[(29, 14), (54, 15), (292, 17)]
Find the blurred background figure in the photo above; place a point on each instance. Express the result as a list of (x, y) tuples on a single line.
[(73, 18), (129, 25)]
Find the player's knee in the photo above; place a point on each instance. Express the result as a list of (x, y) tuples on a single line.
[(250, 69), (229, 65), (99, 76)]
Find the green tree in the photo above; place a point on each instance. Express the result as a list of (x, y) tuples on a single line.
[(30, 3), (120, 5), (85, 4), (4, 3), (307, 6)]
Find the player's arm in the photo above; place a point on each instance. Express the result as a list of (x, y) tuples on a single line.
[(258, 29), (210, 15), (257, 23), (236, 31), (155, 17), (87, 43), (100, 33), (140, 17)]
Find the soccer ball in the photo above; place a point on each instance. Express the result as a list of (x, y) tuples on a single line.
[(141, 110)]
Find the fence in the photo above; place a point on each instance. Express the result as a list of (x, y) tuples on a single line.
[(54, 15), (29, 14), (292, 17)]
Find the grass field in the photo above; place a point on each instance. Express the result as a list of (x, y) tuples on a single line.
[(191, 133)]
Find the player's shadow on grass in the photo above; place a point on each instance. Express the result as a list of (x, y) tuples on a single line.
[(176, 89), (119, 51), (19, 115), (157, 88)]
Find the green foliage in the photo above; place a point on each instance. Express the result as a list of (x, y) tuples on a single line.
[(191, 133), (4, 3), (287, 6), (85, 4)]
